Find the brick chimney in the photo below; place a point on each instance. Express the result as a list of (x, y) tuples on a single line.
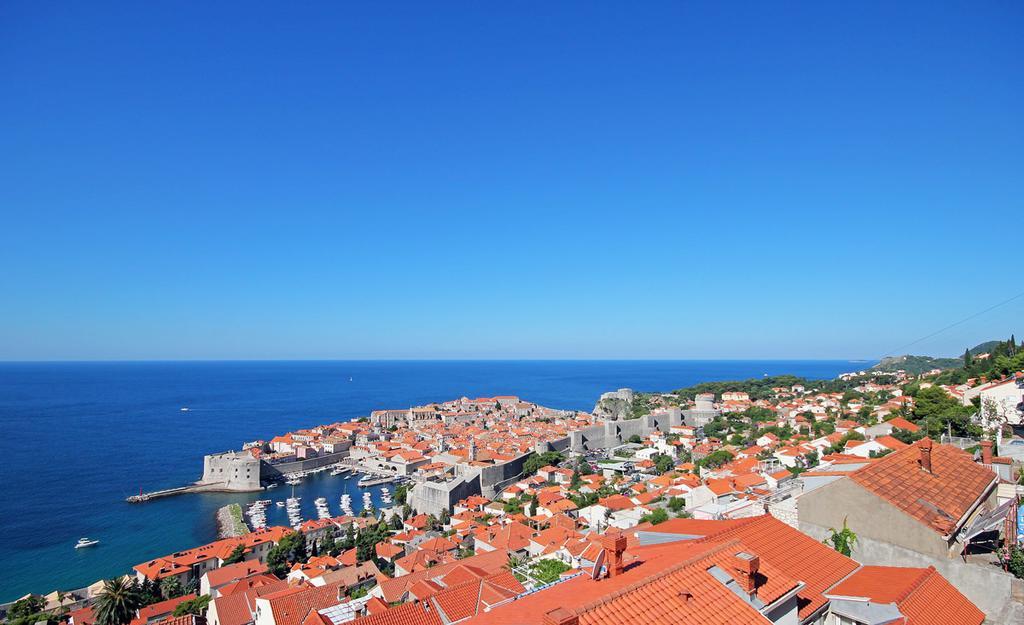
[(986, 453), (560, 616), (925, 447), (746, 565), (614, 544)]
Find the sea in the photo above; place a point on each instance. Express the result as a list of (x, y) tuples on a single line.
[(77, 438)]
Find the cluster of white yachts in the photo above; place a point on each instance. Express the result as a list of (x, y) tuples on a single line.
[(257, 511)]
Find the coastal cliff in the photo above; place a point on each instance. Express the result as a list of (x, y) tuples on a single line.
[(615, 405)]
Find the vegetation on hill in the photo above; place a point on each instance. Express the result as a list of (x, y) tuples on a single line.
[(915, 365), (1004, 358), (761, 388)]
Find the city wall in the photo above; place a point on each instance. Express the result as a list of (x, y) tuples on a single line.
[(432, 497), (270, 472)]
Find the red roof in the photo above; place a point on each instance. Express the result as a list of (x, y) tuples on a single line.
[(664, 584), (393, 589), (794, 553), (903, 424), (938, 499), (233, 572), (239, 607), (405, 614), (290, 607), (159, 609), (922, 595)]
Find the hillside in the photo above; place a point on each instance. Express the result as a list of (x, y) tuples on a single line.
[(916, 364), (919, 364)]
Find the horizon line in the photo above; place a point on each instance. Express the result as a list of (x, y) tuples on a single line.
[(216, 360)]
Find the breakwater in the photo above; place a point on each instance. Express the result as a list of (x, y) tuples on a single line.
[(230, 522)]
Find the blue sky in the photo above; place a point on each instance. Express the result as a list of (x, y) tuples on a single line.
[(527, 180)]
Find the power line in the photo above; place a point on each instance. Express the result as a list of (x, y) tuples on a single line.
[(900, 349)]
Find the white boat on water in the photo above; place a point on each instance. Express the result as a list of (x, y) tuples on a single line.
[(86, 542)]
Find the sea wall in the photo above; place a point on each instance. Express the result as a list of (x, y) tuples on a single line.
[(270, 472)]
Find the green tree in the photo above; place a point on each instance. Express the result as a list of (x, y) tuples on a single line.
[(535, 461), (291, 549), (195, 606), (635, 439), (1015, 562), (396, 522), (356, 593), (906, 436), (663, 463), (548, 570), (657, 516), (149, 592), (675, 504), (237, 555), (843, 540), (117, 602), (715, 459), (28, 611), (401, 494), (576, 481), (811, 459), (170, 587), (937, 411)]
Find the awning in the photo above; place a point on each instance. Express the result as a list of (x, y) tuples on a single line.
[(989, 521)]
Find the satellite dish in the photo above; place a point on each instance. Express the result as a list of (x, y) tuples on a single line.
[(598, 565)]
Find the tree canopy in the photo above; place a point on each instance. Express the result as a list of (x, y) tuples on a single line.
[(117, 602)]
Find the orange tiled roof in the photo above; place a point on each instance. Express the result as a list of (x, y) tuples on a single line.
[(664, 584), (795, 554), (922, 595), (938, 499), (405, 614), (291, 607)]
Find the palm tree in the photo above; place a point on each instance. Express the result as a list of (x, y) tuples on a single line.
[(117, 602), (62, 610)]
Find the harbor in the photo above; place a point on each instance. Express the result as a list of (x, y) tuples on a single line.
[(318, 495)]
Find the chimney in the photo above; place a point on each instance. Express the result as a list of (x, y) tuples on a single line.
[(925, 447), (560, 616), (746, 565), (986, 453), (614, 544)]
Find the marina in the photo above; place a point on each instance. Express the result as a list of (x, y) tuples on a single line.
[(317, 495)]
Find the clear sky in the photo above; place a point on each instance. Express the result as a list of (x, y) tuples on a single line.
[(508, 180)]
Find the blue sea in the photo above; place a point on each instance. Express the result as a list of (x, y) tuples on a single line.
[(77, 438)]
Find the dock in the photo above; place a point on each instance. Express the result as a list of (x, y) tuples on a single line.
[(167, 492), (377, 481), (197, 487)]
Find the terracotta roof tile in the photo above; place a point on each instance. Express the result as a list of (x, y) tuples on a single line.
[(922, 595), (938, 499)]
